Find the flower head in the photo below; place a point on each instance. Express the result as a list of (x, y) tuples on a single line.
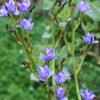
[(26, 24), (87, 95), (24, 6), (44, 73), (60, 78), (89, 39), (83, 6), (11, 7), (50, 54), (60, 92), (3, 11)]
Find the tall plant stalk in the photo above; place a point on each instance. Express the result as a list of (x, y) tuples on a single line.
[(24, 46), (74, 67)]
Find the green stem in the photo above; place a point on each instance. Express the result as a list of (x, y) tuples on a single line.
[(57, 43), (28, 55), (48, 90), (24, 46), (53, 69), (80, 66), (13, 21), (53, 61), (77, 87), (53, 36), (75, 75)]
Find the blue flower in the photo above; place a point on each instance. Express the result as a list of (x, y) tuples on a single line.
[(3, 11), (89, 39), (60, 78), (60, 92), (87, 95), (11, 7), (83, 6), (26, 24), (44, 73), (50, 54), (24, 6)]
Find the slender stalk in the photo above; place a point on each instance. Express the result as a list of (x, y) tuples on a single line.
[(48, 91), (13, 21), (75, 75), (28, 54), (24, 46), (80, 66), (53, 79), (82, 60), (53, 61), (77, 87), (57, 43), (53, 37)]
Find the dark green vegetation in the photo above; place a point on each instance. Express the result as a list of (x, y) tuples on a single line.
[(15, 83)]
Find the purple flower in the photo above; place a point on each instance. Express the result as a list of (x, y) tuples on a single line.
[(26, 24), (89, 39), (50, 54), (24, 6), (60, 92), (44, 73), (83, 6), (3, 11), (60, 78), (11, 7), (87, 95)]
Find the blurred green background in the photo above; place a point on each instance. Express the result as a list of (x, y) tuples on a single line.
[(15, 82)]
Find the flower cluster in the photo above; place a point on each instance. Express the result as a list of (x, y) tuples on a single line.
[(60, 78), (13, 7), (45, 73)]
